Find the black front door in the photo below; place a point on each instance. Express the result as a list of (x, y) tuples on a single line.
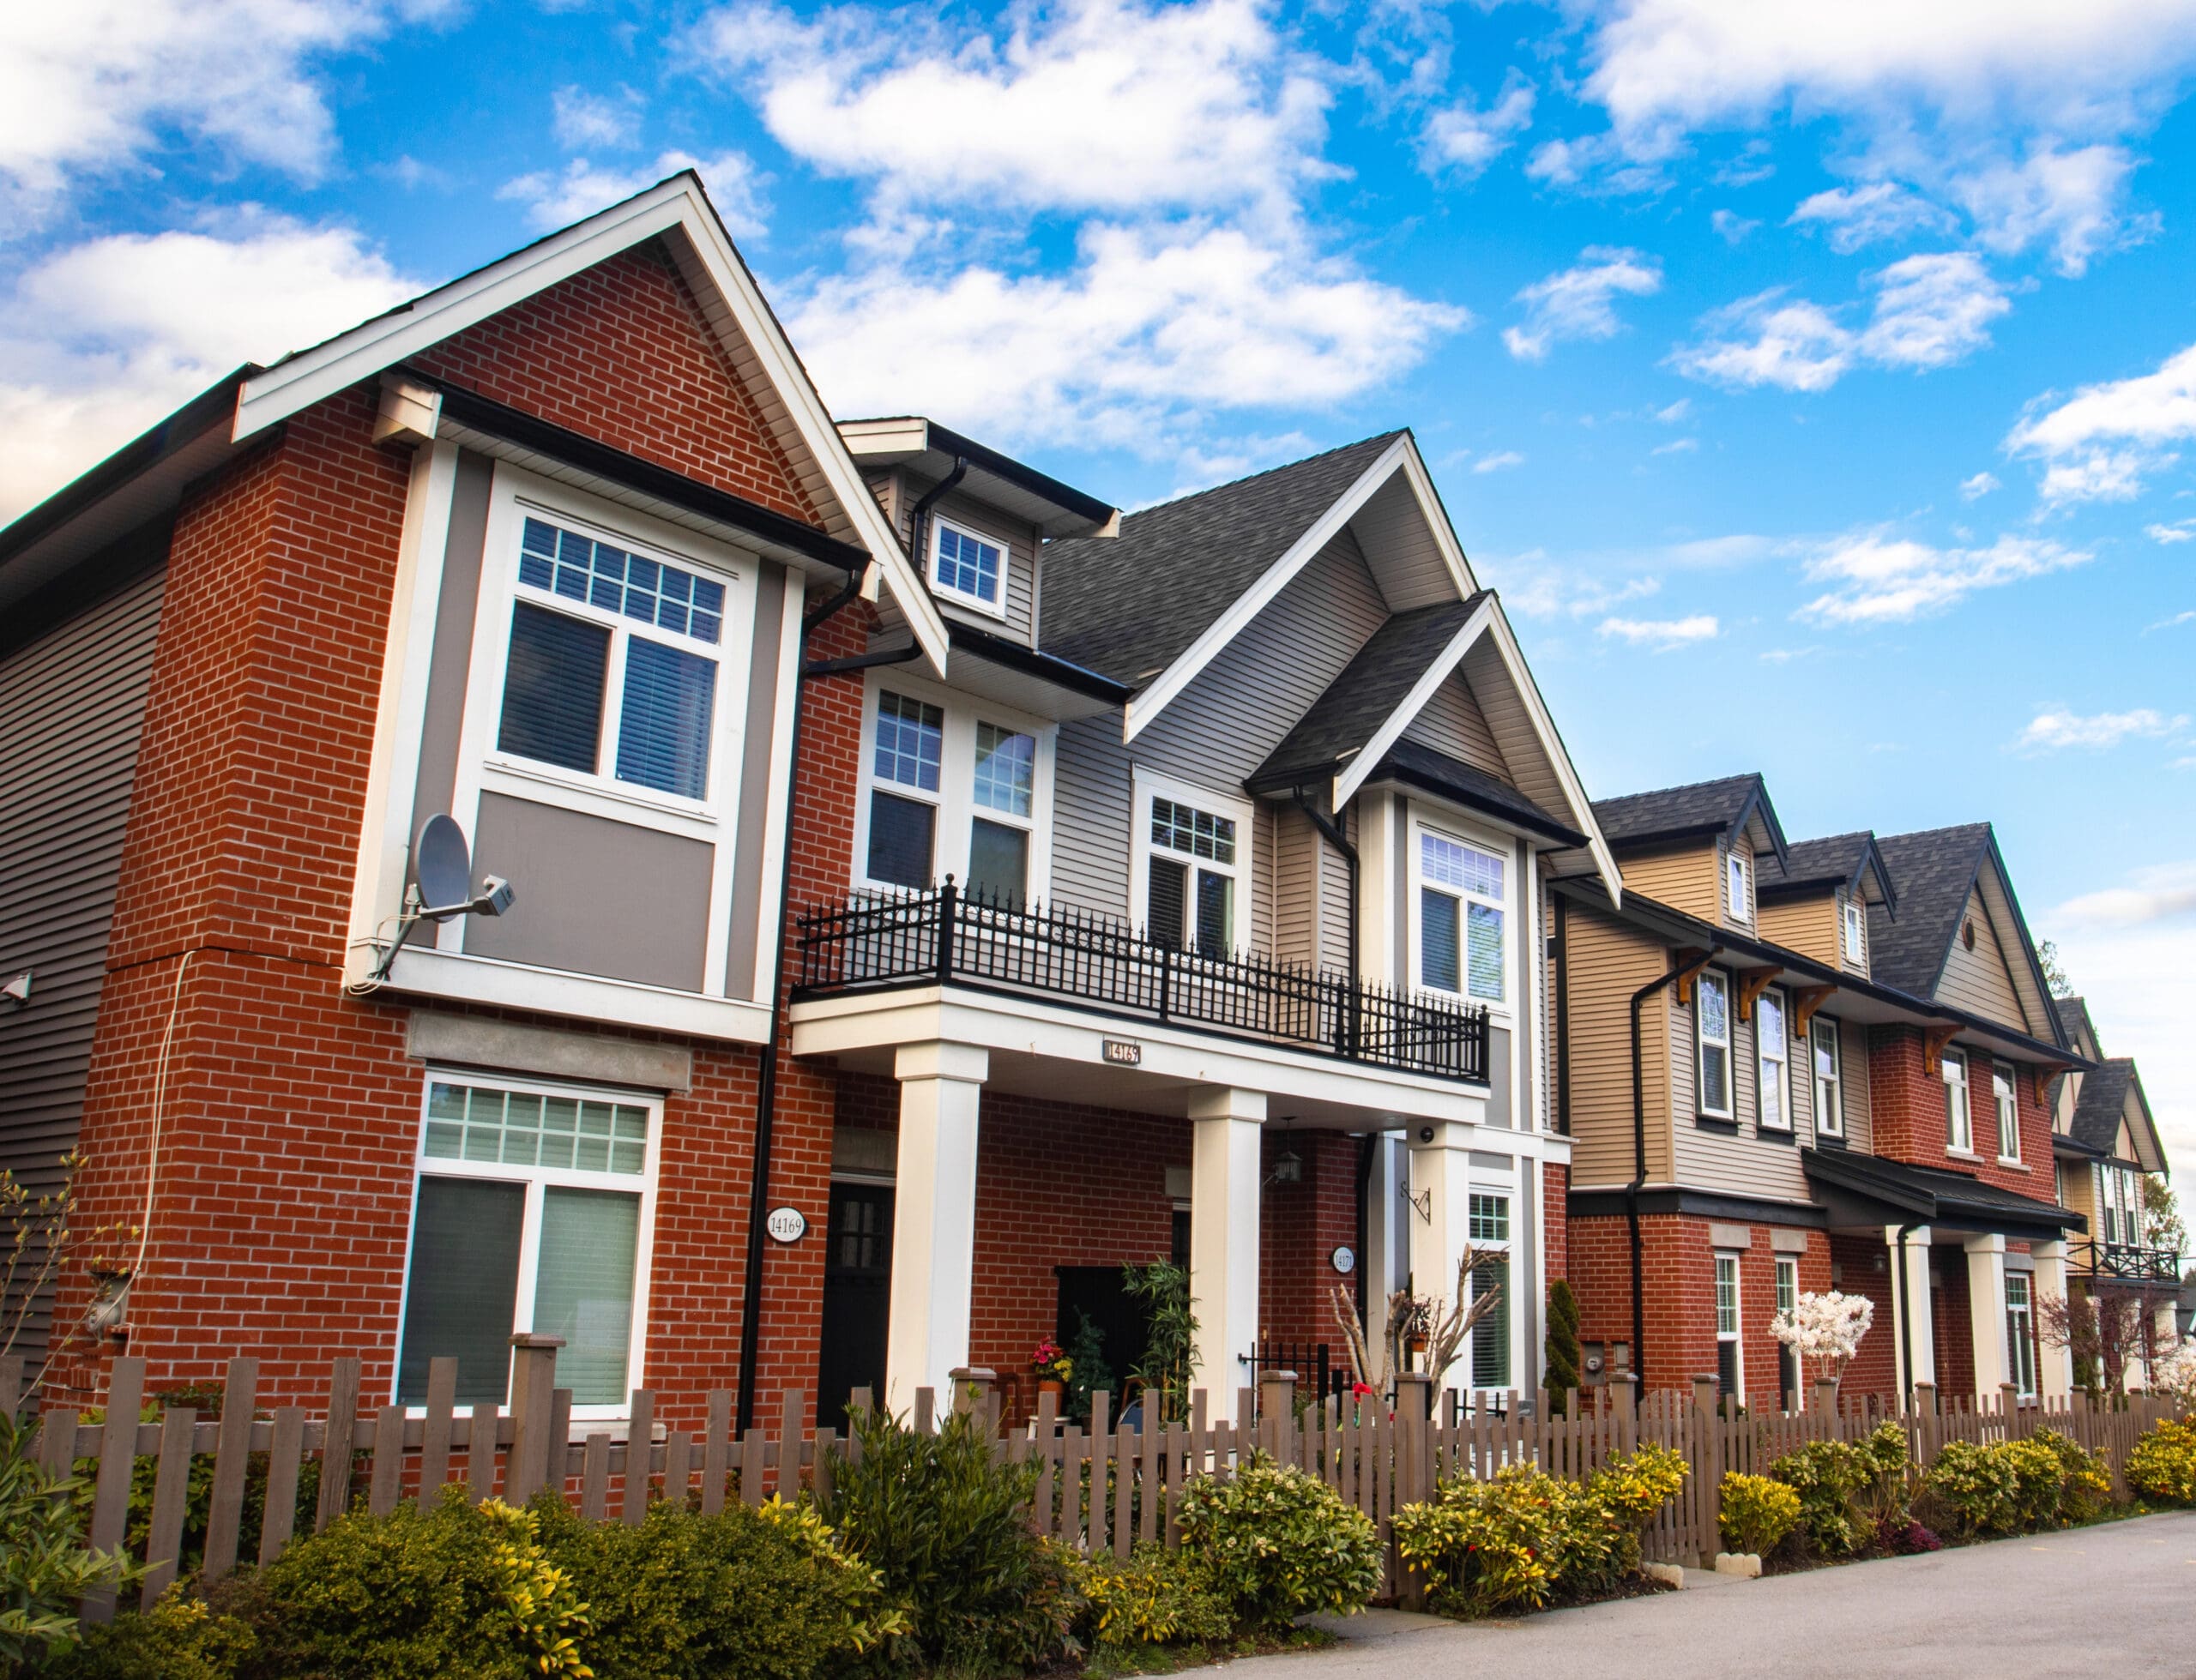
[(857, 1299)]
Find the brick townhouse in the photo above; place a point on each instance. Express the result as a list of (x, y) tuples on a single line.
[(891, 890)]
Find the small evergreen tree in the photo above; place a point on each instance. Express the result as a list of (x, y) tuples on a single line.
[(1564, 1351)]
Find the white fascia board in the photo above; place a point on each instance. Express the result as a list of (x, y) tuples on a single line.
[(1146, 706), (1437, 519), (316, 374), (1386, 737), (1582, 808), (423, 971)]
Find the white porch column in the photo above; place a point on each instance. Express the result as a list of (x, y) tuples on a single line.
[(933, 1218), (1913, 1328), (1384, 1214), (1224, 1237), (1440, 1190), (1986, 1312), (2054, 1366)]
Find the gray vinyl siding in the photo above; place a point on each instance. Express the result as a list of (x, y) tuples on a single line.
[(1214, 733), (1452, 722), (1744, 1164), (73, 699), (1853, 1059), (456, 617), (981, 519), (1297, 845), (1334, 898)]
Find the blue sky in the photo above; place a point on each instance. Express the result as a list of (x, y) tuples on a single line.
[(1817, 383)]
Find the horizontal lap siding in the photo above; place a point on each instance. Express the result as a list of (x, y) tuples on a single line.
[(1452, 722), (1747, 1163), (983, 520), (75, 702), (1683, 880), (1979, 980), (1607, 963), (1807, 926)]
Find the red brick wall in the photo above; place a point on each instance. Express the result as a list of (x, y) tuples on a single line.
[(1555, 1204), (621, 352), (1874, 1369), (1300, 1226), (1955, 1330), (1907, 1106)]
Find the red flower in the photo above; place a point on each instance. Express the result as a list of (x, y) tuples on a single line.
[(1358, 1390)]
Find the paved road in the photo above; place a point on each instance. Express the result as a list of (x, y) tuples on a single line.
[(2118, 1600)]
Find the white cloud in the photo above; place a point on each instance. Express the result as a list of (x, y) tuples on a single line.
[(1465, 139), (1675, 412), (1662, 635), (1499, 462), (1099, 105), (582, 119), (1731, 226), (1975, 489), (104, 338), (2180, 531), (1875, 578), (90, 86), (1577, 302), (1676, 446), (2098, 443), (2055, 731), (1552, 590), (554, 200), (2172, 623), (1149, 325), (1930, 310), (2070, 199), (1858, 216), (2162, 892)]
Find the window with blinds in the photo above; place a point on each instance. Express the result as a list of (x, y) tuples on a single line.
[(1461, 918), (1190, 880), (1712, 1018)]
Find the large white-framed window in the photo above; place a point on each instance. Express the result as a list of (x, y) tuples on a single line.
[(2107, 1195), (2120, 1204), (1828, 1077), (533, 1209), (2020, 1332), (1959, 1121), (968, 566), (1788, 1360), (2008, 1107), (1488, 1225), (1190, 865), (1773, 1063), (952, 787), (1712, 1027), (1460, 894), (1738, 895), (1855, 925), (1730, 1358)]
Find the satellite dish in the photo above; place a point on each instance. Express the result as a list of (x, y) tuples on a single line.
[(441, 862)]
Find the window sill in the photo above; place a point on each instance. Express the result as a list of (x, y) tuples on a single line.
[(1775, 1135), (600, 787), (968, 602), (1715, 1122), (2014, 1162), (1963, 1155), (1831, 1140)]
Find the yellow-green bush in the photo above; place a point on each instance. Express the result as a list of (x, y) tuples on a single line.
[(1525, 1537), (1829, 1477), (1277, 1543), (1756, 1513), (2017, 1487), (2162, 1466), (1157, 1597)]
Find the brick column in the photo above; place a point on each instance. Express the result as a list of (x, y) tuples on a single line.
[(933, 1217), (1224, 1236)]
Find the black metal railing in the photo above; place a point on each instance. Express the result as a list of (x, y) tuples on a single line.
[(2124, 1262), (943, 935), (1317, 1376)]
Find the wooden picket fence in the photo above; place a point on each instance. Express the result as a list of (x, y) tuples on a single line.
[(1101, 1486)]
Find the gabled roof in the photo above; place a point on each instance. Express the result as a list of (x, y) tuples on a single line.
[(1056, 509), (1827, 864), (1130, 606), (2112, 1092), (2073, 1014), (147, 477), (1421, 766), (1936, 872), (1699, 811), (1377, 681)]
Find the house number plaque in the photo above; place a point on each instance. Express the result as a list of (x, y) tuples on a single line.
[(1123, 1054), (786, 1225)]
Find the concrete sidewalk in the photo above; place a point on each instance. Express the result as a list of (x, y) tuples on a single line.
[(2118, 1600)]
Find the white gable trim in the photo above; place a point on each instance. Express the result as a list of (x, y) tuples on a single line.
[(1146, 706), (1353, 775), (676, 204)]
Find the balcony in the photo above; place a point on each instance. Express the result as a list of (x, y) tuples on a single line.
[(944, 936), (2124, 1262)]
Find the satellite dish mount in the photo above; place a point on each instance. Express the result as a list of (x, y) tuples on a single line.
[(441, 888)]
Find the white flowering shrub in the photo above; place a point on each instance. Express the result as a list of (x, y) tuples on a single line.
[(2175, 1374), (1826, 1328)]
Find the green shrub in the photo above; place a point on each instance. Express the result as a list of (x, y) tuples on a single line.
[(763, 1593), (1525, 1537), (2017, 1487), (2085, 1480), (946, 1524), (1277, 1543), (2162, 1466), (1829, 1476), (178, 1639), (1756, 1513), (44, 1565), (1979, 1486), (1563, 1348), (1157, 1597)]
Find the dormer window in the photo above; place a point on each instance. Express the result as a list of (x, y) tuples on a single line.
[(1856, 931), (1734, 877), (965, 567)]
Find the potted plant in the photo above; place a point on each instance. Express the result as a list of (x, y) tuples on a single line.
[(1052, 1368)]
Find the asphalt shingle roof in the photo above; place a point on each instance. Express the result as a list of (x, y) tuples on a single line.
[(1129, 606), (2073, 1014), (1956, 1195), (1832, 858), (2103, 1100), (1430, 766), (1665, 810), (1932, 873), (1344, 719)]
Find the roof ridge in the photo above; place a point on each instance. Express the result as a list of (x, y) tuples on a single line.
[(1265, 473), (1947, 828), (1684, 787)]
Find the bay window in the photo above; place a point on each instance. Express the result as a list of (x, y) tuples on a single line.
[(948, 790), (1773, 1063), (1959, 1126), (1712, 1018), (1462, 944), (532, 1211), (1830, 1083)]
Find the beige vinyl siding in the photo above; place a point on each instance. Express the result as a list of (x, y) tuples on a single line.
[(1979, 981), (1683, 880), (1452, 722), (1334, 898), (1740, 915), (1216, 731), (1296, 888), (1807, 926), (1744, 1164), (1853, 1059), (1607, 963), (1851, 964)]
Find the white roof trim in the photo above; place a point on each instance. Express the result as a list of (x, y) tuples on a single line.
[(1559, 756), (676, 204), (1437, 519), (1147, 705), (1353, 776)]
